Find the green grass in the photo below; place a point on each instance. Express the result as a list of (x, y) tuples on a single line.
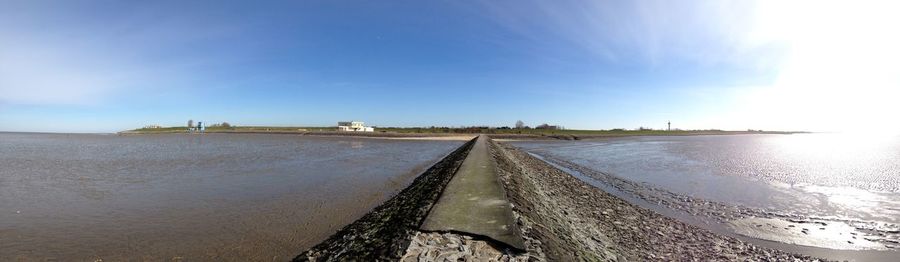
[(268, 128), (183, 129), (163, 129), (478, 130), (531, 131)]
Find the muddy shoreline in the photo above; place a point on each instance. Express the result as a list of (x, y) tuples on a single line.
[(561, 218), (577, 221), (743, 222)]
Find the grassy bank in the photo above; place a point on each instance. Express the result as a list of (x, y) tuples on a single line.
[(442, 131), (221, 129)]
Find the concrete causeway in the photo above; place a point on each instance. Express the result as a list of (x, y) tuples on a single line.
[(474, 202)]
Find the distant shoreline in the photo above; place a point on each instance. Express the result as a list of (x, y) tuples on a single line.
[(383, 135), (449, 133)]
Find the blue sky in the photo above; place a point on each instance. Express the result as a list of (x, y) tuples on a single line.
[(103, 66)]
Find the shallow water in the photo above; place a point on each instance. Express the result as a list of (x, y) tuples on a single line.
[(159, 197), (839, 178)]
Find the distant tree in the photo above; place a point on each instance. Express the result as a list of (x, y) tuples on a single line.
[(520, 124), (225, 125), (190, 123), (547, 126)]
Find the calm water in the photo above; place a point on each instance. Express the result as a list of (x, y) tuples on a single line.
[(840, 177), (159, 197)]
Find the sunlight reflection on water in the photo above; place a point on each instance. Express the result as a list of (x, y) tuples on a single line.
[(830, 191), (827, 175)]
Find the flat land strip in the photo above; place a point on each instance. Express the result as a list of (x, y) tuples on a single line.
[(446, 133), (474, 202)]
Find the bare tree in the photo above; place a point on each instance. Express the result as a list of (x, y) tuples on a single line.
[(520, 124), (190, 123)]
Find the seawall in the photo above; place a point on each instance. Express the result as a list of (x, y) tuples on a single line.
[(559, 218), (384, 233)]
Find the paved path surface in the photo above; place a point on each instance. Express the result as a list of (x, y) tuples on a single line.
[(474, 202)]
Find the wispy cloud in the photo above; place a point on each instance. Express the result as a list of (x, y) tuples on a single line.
[(35, 74), (827, 65), (50, 57), (651, 32)]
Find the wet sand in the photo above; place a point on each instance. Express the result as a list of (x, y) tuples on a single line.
[(574, 220), (827, 238), (801, 227)]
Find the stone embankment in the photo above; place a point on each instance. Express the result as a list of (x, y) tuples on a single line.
[(556, 216), (385, 233)]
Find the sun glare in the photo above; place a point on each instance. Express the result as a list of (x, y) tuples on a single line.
[(842, 71)]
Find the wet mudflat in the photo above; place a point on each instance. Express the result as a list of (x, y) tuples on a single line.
[(815, 193), (192, 197)]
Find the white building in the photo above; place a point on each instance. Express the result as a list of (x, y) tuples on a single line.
[(354, 126)]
